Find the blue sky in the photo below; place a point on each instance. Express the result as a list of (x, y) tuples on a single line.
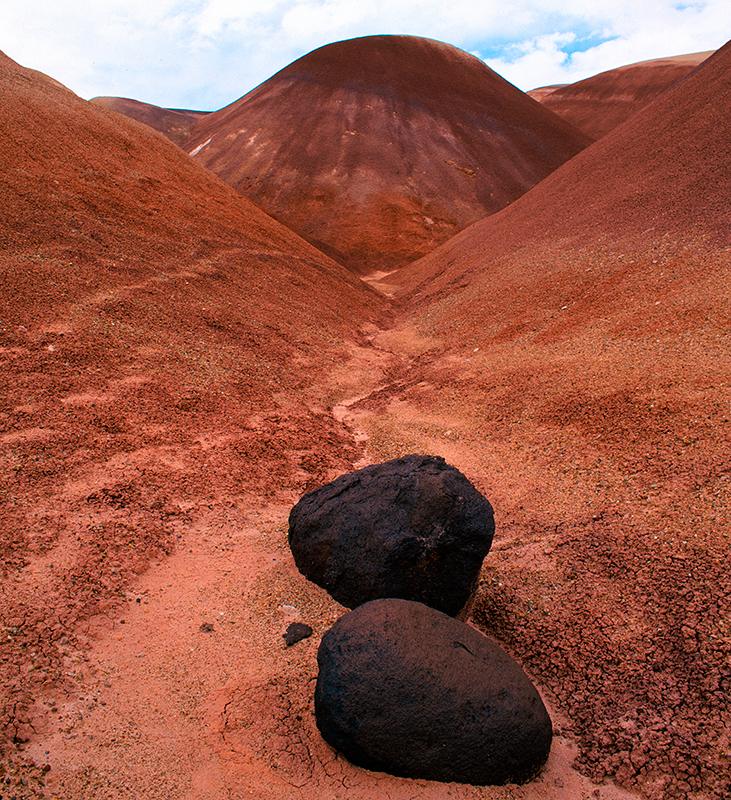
[(204, 54)]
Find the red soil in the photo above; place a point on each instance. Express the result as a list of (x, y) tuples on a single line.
[(178, 368), (590, 324), (599, 104), (161, 338), (378, 149), (175, 123)]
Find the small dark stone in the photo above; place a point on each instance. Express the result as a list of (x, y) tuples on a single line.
[(206, 627), (413, 528), (296, 632), (407, 690)]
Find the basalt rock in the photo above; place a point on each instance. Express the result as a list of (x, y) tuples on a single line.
[(296, 632), (407, 690), (413, 528)]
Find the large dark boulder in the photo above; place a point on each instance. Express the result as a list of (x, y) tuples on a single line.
[(413, 528), (407, 690)]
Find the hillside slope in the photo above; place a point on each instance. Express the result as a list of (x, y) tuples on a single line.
[(581, 353), (599, 104), (175, 123), (380, 148), (161, 340), (662, 174)]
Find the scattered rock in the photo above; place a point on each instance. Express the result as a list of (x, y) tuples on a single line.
[(407, 690), (296, 632), (413, 528), (206, 627)]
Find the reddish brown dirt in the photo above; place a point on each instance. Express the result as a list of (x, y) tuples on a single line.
[(609, 575), (175, 123), (175, 380), (588, 340), (378, 149), (599, 104)]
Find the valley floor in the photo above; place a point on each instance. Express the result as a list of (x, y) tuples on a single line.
[(183, 687)]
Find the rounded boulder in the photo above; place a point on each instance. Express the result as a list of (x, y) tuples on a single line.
[(407, 690), (413, 528)]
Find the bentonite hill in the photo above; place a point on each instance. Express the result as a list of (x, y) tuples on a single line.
[(598, 104), (179, 368), (175, 123), (380, 148), (594, 347)]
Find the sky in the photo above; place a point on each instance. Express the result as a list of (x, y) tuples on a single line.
[(204, 54)]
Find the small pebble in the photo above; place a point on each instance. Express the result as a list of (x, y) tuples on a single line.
[(296, 632)]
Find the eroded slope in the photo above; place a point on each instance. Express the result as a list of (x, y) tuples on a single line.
[(161, 340), (378, 149), (583, 345), (599, 104)]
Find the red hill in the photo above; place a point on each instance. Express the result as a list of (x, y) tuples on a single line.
[(161, 340), (93, 200), (380, 148), (175, 123), (598, 104), (659, 177), (587, 329)]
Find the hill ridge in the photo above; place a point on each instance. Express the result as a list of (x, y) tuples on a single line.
[(379, 148)]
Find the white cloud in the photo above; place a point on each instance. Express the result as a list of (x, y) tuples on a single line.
[(535, 59), (631, 32), (206, 53)]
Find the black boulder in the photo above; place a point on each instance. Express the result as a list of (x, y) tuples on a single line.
[(407, 690), (413, 527)]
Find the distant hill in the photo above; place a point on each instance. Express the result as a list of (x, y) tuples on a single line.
[(663, 173), (380, 148), (541, 92), (175, 123), (598, 104)]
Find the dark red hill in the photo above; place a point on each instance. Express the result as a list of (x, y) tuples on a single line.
[(598, 104), (380, 148), (175, 123), (661, 176), (587, 328), (92, 199), (161, 339)]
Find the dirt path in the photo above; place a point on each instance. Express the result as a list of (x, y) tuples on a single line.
[(189, 692)]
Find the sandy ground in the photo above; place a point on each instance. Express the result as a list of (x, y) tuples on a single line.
[(187, 690), (157, 426)]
